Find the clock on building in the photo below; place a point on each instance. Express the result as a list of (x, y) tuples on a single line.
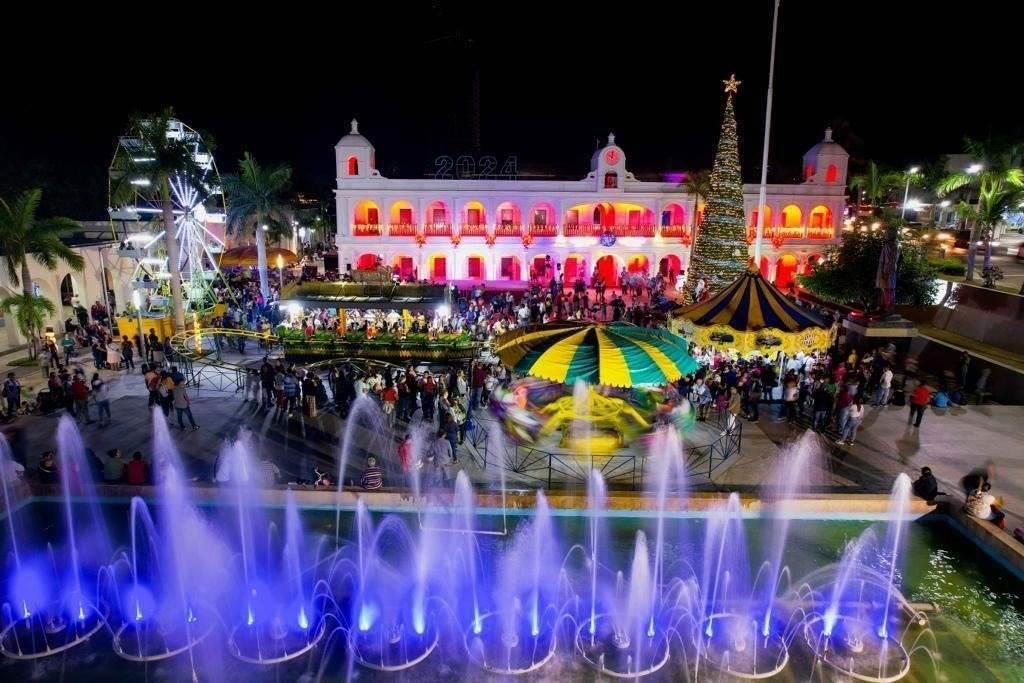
[(612, 157)]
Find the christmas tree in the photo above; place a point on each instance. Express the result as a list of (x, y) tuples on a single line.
[(720, 250)]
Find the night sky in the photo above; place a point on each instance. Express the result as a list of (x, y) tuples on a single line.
[(901, 82)]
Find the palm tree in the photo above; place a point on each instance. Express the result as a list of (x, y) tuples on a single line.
[(30, 314), (255, 199), (995, 198), (875, 184), (149, 170), (698, 184), (22, 235), (999, 174)]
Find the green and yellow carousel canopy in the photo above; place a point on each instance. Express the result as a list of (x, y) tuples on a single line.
[(616, 354), (751, 314)]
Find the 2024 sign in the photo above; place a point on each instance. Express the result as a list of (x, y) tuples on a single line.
[(482, 168)]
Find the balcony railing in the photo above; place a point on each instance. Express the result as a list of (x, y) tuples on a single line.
[(674, 230), (437, 229), (792, 232), (366, 230), (543, 230), (581, 230), (821, 233), (632, 230), (473, 230), (401, 229), (508, 230)]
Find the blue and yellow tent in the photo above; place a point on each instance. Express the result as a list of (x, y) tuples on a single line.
[(616, 354), (752, 315)]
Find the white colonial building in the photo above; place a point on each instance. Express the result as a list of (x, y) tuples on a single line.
[(508, 229)]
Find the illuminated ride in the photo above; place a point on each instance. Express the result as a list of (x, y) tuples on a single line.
[(752, 317), (199, 214), (599, 384)]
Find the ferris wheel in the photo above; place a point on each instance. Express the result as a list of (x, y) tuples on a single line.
[(198, 206)]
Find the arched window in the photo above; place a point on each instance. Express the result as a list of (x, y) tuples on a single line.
[(611, 179), (791, 216), (831, 173), (353, 166), (821, 217), (808, 171), (597, 215)]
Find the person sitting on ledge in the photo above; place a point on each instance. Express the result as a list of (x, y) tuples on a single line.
[(926, 485), (135, 470), (113, 466), (47, 472), (373, 476), (982, 505)]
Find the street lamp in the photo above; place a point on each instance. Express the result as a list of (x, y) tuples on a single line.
[(136, 299), (906, 192), (280, 272), (975, 168)]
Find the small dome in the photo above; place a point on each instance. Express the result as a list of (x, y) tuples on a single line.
[(354, 138), (827, 146), (598, 152)]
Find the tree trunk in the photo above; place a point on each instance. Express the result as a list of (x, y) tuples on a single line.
[(261, 261), (987, 239), (26, 289), (173, 258), (972, 250)]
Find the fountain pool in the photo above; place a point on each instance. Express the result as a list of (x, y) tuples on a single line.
[(977, 634), (237, 584)]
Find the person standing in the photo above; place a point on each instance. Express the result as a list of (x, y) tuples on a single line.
[(441, 455), (919, 400), (733, 409), (428, 390), (854, 416), (152, 380), (68, 345), (12, 392), (183, 406), (754, 398), (101, 395), (127, 354), (80, 396), (884, 388)]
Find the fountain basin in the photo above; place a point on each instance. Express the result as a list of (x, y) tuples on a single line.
[(854, 648), (737, 646), (509, 646), (604, 647)]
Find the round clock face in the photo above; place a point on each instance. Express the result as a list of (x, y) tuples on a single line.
[(612, 156)]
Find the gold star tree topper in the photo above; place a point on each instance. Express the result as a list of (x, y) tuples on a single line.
[(732, 85)]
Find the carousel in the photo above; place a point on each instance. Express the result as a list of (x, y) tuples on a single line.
[(593, 389), (752, 317)]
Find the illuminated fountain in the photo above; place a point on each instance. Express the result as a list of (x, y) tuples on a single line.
[(391, 593), (53, 595)]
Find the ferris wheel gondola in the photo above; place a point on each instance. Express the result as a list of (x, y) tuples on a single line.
[(199, 211)]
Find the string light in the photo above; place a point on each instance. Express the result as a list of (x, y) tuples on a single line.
[(720, 250)]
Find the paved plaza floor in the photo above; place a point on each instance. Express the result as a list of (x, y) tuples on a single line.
[(951, 442)]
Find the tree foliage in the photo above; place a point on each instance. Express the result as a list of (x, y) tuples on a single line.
[(846, 275), (30, 312)]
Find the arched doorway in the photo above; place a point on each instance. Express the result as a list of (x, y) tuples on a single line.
[(785, 272), (670, 266), (67, 290), (366, 262), (638, 264), (404, 266), (766, 268), (439, 268), (509, 268), (608, 268), (476, 268), (572, 269)]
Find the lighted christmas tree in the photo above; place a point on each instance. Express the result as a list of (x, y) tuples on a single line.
[(720, 250)]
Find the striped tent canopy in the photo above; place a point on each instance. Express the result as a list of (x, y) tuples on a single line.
[(616, 354), (752, 315), (247, 256)]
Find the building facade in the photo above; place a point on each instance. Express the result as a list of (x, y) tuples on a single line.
[(467, 230)]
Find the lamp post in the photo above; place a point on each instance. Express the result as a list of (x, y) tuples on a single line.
[(280, 274), (972, 246), (136, 300), (906, 192), (762, 191)]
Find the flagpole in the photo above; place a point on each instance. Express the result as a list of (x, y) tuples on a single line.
[(763, 190)]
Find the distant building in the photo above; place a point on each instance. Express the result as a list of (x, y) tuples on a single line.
[(508, 230)]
